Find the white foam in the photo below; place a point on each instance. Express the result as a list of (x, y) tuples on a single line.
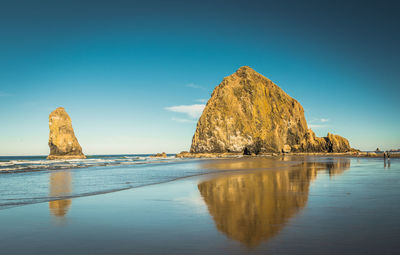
[(41, 164)]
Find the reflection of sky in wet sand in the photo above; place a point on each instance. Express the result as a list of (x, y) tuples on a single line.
[(305, 208), (60, 185), (253, 206)]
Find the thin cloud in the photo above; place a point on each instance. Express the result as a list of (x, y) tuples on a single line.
[(201, 100), (194, 86), (319, 123), (316, 126), (193, 111)]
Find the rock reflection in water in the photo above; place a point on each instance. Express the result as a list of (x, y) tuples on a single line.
[(338, 166), (60, 185), (253, 206)]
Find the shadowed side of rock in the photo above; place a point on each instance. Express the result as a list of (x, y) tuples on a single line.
[(62, 141)]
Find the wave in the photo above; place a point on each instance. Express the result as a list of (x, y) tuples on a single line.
[(35, 181), (24, 164)]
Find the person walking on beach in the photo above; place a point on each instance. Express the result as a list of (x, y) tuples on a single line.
[(384, 159)]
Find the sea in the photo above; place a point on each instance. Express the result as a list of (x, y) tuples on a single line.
[(34, 179)]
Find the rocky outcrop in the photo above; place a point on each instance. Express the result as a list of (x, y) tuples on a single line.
[(159, 155), (186, 154), (62, 141), (247, 113), (330, 143)]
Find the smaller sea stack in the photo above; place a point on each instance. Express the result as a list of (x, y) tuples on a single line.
[(62, 141)]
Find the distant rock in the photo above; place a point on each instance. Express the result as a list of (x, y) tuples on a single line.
[(159, 155), (62, 141), (247, 113)]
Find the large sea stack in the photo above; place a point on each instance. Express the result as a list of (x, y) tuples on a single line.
[(62, 141), (247, 113)]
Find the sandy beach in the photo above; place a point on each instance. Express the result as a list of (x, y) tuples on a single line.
[(297, 205)]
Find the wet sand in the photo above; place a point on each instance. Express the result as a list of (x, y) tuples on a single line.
[(245, 206)]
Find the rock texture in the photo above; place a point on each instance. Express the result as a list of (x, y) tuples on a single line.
[(248, 113), (62, 141)]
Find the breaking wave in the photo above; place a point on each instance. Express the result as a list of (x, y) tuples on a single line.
[(37, 163)]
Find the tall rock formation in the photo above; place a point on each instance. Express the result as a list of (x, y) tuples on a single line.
[(249, 113), (62, 141)]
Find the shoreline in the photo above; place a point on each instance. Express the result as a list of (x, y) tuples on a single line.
[(272, 154), (209, 166)]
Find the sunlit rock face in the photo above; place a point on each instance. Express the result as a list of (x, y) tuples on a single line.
[(62, 141), (60, 185), (254, 205), (248, 113)]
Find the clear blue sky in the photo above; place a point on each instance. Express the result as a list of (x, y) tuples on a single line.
[(133, 75)]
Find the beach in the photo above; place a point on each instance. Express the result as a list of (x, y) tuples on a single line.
[(290, 205)]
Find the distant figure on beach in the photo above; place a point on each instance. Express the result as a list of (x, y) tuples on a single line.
[(384, 159), (388, 155)]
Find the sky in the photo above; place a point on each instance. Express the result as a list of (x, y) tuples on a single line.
[(134, 75)]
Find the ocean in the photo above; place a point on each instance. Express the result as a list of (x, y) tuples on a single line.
[(33, 179)]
